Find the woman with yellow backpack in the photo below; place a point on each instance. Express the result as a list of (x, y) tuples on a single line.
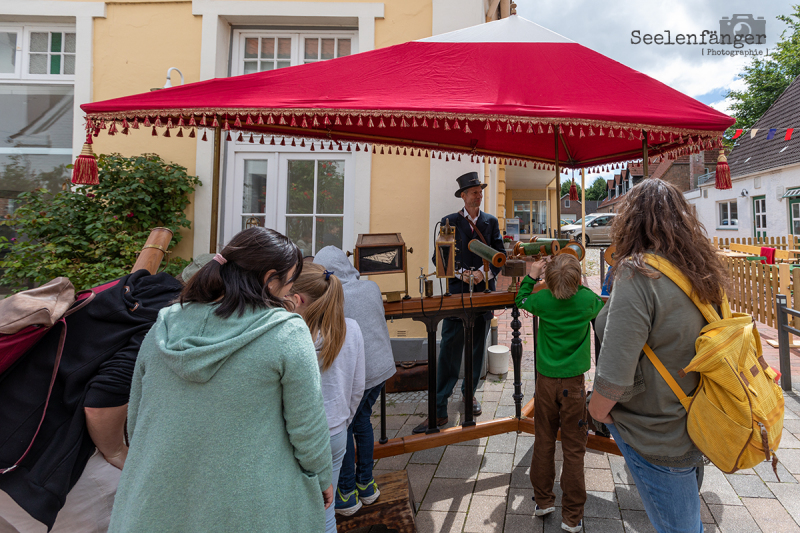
[(649, 328)]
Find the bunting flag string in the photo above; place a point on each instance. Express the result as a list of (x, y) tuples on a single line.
[(771, 133)]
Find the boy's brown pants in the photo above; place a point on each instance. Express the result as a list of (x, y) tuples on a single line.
[(560, 402)]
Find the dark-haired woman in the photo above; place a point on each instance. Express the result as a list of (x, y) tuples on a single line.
[(642, 413), (226, 419)]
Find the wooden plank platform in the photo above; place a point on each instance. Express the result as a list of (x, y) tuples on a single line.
[(394, 508)]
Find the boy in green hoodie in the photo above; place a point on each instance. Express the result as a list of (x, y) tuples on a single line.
[(565, 309)]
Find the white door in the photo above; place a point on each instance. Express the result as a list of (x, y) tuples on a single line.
[(254, 195)]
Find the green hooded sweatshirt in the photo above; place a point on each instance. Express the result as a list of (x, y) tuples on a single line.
[(227, 426)]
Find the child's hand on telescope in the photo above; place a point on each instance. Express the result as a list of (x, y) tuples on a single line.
[(537, 268)]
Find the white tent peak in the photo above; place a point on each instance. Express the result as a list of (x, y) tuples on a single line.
[(513, 29)]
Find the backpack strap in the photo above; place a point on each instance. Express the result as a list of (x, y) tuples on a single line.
[(677, 277), (685, 400)]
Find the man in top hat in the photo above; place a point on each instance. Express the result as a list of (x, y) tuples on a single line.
[(470, 223)]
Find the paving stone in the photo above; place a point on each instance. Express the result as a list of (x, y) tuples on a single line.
[(491, 396), (497, 462), (505, 410), (524, 443), (429, 456), (789, 496), (705, 514), (559, 455), (505, 443), (486, 513), (601, 505), (716, 490), (398, 462), (791, 460), (619, 470), (521, 477), (764, 470), (745, 472), (422, 409), (489, 411), (595, 459), (788, 440), (452, 495), (439, 522), (602, 525), (395, 422), (598, 480), (420, 477), (460, 462), (523, 458), (520, 501), (628, 497), (793, 426), (636, 522), (733, 518), (770, 515), (492, 484), (408, 428), (518, 523), (749, 486), (396, 408)]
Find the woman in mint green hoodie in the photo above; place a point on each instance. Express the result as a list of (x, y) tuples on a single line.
[(226, 420)]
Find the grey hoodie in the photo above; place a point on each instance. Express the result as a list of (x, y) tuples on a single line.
[(364, 304)]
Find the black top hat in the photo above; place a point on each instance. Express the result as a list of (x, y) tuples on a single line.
[(470, 179)]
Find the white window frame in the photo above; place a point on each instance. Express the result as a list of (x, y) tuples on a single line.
[(23, 52), (566, 203), (239, 36), (720, 226)]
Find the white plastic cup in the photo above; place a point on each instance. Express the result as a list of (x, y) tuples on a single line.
[(498, 359)]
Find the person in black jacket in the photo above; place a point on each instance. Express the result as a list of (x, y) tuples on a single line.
[(470, 223), (85, 419)]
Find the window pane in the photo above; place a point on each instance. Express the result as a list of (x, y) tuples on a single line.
[(299, 230), (55, 42), (254, 198), (268, 47), (522, 211), (795, 210), (267, 65), (329, 232), (69, 43), (330, 187), (8, 52), (38, 64), (285, 48), (38, 42), (69, 64), (251, 48), (36, 116), (344, 48), (311, 48), (300, 185), (250, 67), (796, 227), (328, 48), (284, 64), (734, 215), (249, 221), (55, 64), (723, 214)]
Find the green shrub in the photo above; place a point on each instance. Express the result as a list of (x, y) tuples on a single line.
[(92, 234)]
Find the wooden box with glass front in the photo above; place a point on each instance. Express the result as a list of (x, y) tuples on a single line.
[(382, 253)]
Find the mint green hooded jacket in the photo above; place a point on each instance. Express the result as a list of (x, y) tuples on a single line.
[(227, 426)]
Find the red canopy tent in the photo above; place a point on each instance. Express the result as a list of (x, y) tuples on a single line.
[(505, 89)]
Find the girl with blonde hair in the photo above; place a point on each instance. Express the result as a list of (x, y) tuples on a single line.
[(319, 299)]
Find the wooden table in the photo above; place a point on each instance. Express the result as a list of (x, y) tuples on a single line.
[(734, 255)]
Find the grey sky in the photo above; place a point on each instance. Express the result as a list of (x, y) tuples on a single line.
[(606, 28)]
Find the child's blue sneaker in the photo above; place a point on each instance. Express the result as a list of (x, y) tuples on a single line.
[(368, 493), (346, 504)]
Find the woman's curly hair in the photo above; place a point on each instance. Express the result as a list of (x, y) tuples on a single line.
[(655, 217)]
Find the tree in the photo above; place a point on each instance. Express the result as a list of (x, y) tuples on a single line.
[(92, 234), (767, 78), (598, 190)]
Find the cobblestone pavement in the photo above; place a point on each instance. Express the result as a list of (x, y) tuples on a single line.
[(483, 485)]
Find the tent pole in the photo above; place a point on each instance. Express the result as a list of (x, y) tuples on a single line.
[(645, 161), (583, 216), (558, 188), (212, 247)]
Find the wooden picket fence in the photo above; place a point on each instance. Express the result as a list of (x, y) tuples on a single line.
[(786, 242), (755, 285)]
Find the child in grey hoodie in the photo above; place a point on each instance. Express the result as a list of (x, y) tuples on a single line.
[(364, 304)]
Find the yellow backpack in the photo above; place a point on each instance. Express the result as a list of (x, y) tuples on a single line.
[(735, 416)]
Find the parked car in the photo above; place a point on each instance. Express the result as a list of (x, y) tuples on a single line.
[(598, 228)]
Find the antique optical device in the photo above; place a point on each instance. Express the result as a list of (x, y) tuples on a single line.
[(445, 248), (382, 253)]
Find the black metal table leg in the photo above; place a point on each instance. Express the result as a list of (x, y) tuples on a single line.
[(383, 439), (516, 356), (469, 325)]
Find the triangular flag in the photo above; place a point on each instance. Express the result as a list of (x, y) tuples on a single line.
[(753, 132), (771, 133), (737, 134), (789, 134)]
